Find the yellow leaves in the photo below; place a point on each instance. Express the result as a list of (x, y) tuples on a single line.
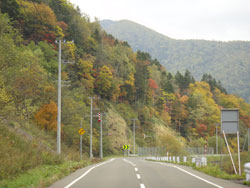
[(184, 99), (46, 117), (200, 88), (37, 11), (169, 96), (4, 97), (69, 50), (104, 80), (131, 80), (59, 32)]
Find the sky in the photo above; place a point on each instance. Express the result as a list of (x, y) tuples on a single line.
[(223, 20)]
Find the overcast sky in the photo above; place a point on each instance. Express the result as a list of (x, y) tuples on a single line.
[(179, 19)]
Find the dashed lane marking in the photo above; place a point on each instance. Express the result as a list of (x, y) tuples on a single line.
[(127, 161), (138, 176), (142, 186)]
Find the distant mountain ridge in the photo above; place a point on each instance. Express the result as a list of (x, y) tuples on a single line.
[(226, 61)]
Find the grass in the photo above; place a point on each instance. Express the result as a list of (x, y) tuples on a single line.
[(246, 183), (212, 170), (216, 171), (44, 175)]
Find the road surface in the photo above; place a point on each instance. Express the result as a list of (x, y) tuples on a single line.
[(139, 173)]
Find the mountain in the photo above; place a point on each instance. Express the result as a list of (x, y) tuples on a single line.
[(226, 61)]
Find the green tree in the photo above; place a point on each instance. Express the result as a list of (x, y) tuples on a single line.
[(103, 82)]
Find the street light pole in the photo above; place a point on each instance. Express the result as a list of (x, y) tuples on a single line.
[(59, 101)]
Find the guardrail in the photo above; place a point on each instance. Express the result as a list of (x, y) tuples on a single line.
[(199, 161), (247, 170)]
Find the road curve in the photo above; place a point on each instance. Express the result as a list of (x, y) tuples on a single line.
[(139, 173)]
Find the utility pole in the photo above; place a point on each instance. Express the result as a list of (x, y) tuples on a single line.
[(59, 101), (248, 136), (101, 151), (216, 138), (91, 113), (91, 126), (81, 143), (59, 97), (134, 134)]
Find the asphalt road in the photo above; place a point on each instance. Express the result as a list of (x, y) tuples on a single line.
[(139, 173)]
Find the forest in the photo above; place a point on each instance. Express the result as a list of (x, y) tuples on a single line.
[(175, 110), (227, 61)]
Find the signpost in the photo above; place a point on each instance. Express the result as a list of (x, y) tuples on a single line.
[(230, 125), (126, 147), (81, 131)]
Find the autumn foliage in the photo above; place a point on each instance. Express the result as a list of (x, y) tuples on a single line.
[(46, 116)]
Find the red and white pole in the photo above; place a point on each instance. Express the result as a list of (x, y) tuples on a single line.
[(99, 117)]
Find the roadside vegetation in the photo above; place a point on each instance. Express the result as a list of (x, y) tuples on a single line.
[(173, 110)]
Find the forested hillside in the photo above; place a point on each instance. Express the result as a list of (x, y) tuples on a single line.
[(174, 110), (226, 61)]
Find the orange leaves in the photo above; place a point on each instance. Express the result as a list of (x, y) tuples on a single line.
[(46, 116), (184, 99), (152, 84), (201, 128)]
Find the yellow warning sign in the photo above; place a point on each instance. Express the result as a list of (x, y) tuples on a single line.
[(81, 131), (125, 147)]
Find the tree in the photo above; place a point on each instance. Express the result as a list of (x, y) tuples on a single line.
[(46, 117), (103, 82)]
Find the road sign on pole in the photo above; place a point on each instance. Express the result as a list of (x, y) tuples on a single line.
[(229, 121), (126, 147), (81, 131), (230, 125)]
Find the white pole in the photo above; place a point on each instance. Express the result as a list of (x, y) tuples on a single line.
[(238, 140), (101, 152), (216, 140), (134, 135), (248, 137), (229, 152), (81, 143), (90, 142), (59, 103)]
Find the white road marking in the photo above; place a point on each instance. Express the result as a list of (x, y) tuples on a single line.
[(198, 177), (142, 186), (127, 161), (77, 179), (136, 169), (138, 176)]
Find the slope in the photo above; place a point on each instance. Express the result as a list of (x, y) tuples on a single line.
[(226, 61)]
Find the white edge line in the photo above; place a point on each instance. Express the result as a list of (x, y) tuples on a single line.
[(198, 177), (191, 174), (138, 176), (136, 169), (142, 186), (77, 179)]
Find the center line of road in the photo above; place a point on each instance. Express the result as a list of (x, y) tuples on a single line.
[(127, 161), (138, 176), (136, 169), (142, 186), (77, 179)]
